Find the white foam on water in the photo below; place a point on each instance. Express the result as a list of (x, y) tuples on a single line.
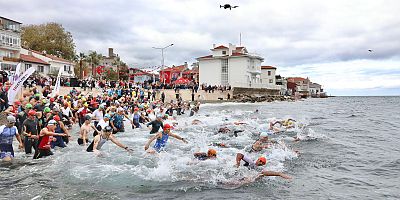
[(177, 163)]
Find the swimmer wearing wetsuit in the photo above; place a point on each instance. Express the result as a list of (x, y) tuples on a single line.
[(161, 140), (102, 138), (211, 154), (261, 161)]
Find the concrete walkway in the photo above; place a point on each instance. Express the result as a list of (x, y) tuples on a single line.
[(169, 94)]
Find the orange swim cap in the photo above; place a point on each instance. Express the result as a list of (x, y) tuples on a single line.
[(212, 152), (263, 160)]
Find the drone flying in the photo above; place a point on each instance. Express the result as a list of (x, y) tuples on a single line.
[(226, 6)]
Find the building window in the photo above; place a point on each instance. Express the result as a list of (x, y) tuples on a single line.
[(40, 68), (27, 66), (224, 72), (269, 73), (271, 81), (223, 52), (8, 67), (67, 68)]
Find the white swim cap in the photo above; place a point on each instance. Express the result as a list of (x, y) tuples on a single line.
[(263, 134)]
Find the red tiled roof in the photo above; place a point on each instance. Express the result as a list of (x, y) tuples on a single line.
[(268, 67), (209, 56), (176, 68), (221, 47), (32, 59), (239, 48), (296, 79)]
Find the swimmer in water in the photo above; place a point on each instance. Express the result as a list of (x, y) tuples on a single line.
[(84, 131), (261, 161), (211, 154), (262, 143), (287, 123), (161, 139), (102, 138)]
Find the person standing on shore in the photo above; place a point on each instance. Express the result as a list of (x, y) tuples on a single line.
[(163, 97)]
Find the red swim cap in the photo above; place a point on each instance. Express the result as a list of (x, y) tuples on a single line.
[(32, 113), (263, 160), (167, 126), (56, 117)]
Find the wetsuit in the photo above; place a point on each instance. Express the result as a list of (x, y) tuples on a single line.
[(6, 138), (118, 121), (59, 139), (136, 119), (248, 162), (201, 156), (32, 128), (161, 142), (99, 145), (155, 126), (43, 149)]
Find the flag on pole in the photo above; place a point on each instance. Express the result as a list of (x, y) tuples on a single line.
[(15, 87), (57, 86)]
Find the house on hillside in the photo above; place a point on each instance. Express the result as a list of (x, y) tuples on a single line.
[(231, 65)]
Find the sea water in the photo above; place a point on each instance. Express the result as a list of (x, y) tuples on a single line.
[(349, 149)]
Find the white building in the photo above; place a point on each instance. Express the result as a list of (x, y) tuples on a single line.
[(315, 89), (232, 66), (10, 44), (55, 64), (268, 77), (28, 61), (282, 83)]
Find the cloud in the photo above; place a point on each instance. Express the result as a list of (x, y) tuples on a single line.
[(308, 34)]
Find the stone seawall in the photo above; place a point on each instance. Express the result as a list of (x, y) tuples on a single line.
[(256, 95), (255, 91)]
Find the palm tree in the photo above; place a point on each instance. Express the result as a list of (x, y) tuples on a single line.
[(94, 59), (81, 57)]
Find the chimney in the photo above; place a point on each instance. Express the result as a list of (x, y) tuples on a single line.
[(213, 46), (30, 53), (110, 52)]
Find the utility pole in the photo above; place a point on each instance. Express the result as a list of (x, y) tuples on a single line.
[(162, 58)]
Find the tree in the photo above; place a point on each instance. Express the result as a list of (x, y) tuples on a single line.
[(49, 37), (80, 58), (110, 74), (94, 58)]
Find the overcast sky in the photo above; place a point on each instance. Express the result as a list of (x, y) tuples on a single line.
[(327, 41)]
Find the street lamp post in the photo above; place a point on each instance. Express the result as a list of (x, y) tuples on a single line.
[(162, 57)]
